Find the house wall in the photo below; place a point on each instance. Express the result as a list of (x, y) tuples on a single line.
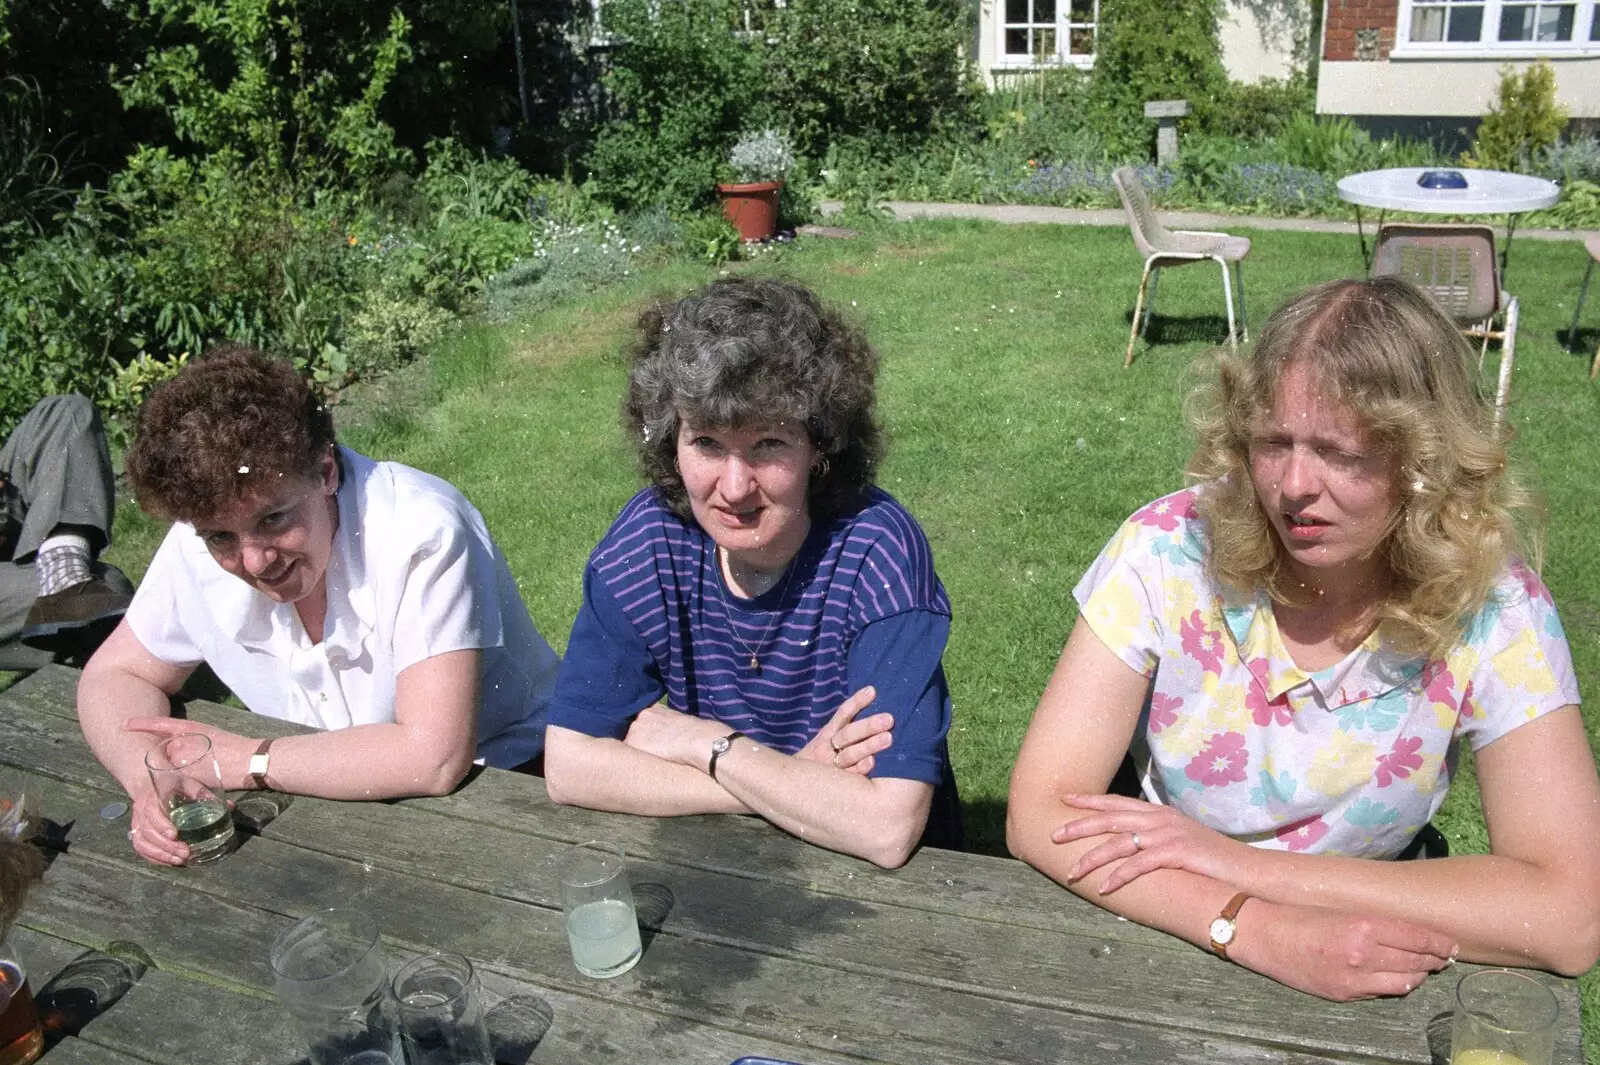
[(1262, 38), (1441, 87), (1258, 38)]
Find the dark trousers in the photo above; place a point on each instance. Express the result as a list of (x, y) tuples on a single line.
[(56, 470)]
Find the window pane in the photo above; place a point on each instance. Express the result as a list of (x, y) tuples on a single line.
[(1516, 23), (1016, 11), (1082, 11), (1427, 24), (1594, 23), (1555, 23), (1044, 10), (1466, 23), (1083, 42), (1044, 45), (1017, 42)]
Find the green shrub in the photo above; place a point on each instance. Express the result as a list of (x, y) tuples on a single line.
[(388, 331), (836, 68), (1154, 50), (1261, 109), (682, 86), (1523, 121)]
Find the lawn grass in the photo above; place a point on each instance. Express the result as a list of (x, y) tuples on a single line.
[(1016, 437)]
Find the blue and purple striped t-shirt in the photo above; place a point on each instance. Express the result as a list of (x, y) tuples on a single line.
[(862, 605)]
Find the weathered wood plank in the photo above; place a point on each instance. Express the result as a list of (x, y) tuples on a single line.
[(84, 1052), (1106, 972), (942, 955)]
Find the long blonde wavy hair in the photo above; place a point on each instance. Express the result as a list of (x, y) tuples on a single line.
[(1385, 350)]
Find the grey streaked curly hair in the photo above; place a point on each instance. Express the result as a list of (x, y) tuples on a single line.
[(745, 352)]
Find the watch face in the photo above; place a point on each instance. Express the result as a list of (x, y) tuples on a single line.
[(721, 744), (258, 764), (1222, 931)]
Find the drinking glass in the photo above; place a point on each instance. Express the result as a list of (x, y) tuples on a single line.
[(188, 783), (21, 1037), (441, 1012), (602, 928), (1503, 1018), (330, 975)]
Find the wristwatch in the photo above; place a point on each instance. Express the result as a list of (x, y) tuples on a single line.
[(258, 765), (1226, 925), (719, 747)]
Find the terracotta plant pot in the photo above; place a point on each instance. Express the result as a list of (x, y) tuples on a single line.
[(752, 207)]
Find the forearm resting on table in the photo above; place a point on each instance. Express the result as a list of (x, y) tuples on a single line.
[(600, 773), (879, 819), (378, 761), (1175, 901), (1500, 910)]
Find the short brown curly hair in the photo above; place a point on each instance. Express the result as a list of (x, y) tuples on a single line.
[(750, 351), (228, 424)]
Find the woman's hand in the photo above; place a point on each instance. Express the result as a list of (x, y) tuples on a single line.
[(1146, 836), (232, 750), (153, 837), (673, 736), (848, 744), (1336, 955)]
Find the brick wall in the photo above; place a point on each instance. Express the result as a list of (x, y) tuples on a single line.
[(1345, 17)]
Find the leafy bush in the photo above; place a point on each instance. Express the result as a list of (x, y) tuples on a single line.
[(1523, 122), (1569, 161), (762, 156), (682, 85), (388, 331), (1261, 109), (864, 68), (1155, 50)]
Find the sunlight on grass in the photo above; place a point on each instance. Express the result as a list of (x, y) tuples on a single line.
[(1016, 437)]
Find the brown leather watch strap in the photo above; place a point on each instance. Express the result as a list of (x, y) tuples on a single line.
[(259, 780)]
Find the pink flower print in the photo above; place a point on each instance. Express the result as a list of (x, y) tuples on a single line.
[(1163, 710), (1302, 834), (1200, 643), (1165, 513), (1441, 684), (1468, 707), (1262, 710), (1531, 584), (1400, 761), (1222, 761)]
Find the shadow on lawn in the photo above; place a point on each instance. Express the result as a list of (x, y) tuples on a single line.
[(1202, 329)]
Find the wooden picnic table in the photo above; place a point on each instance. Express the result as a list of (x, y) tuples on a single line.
[(756, 943)]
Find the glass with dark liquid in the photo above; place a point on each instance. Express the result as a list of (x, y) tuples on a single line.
[(21, 1037)]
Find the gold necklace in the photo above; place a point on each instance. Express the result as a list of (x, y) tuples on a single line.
[(726, 578)]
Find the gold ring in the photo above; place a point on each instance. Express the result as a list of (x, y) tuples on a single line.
[(836, 758), (833, 741)]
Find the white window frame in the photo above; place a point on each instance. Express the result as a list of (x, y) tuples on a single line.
[(1064, 26), (1587, 13)]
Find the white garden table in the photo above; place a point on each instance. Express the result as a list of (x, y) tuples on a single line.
[(1488, 192)]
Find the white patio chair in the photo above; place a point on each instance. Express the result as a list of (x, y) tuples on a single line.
[(1163, 247), (1456, 265)]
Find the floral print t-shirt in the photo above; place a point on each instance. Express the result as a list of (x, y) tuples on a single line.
[(1353, 759)]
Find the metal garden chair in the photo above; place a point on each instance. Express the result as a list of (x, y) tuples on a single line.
[(1456, 265), (1163, 247), (1592, 246)]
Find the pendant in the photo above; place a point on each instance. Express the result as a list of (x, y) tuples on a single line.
[(754, 664)]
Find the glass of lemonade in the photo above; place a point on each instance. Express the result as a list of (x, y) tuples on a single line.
[(602, 928), (1503, 1018), (189, 784)]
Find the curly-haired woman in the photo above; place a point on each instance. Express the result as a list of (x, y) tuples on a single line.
[(363, 598), (1292, 652), (760, 593)]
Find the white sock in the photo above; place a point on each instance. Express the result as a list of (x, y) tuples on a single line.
[(63, 561)]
